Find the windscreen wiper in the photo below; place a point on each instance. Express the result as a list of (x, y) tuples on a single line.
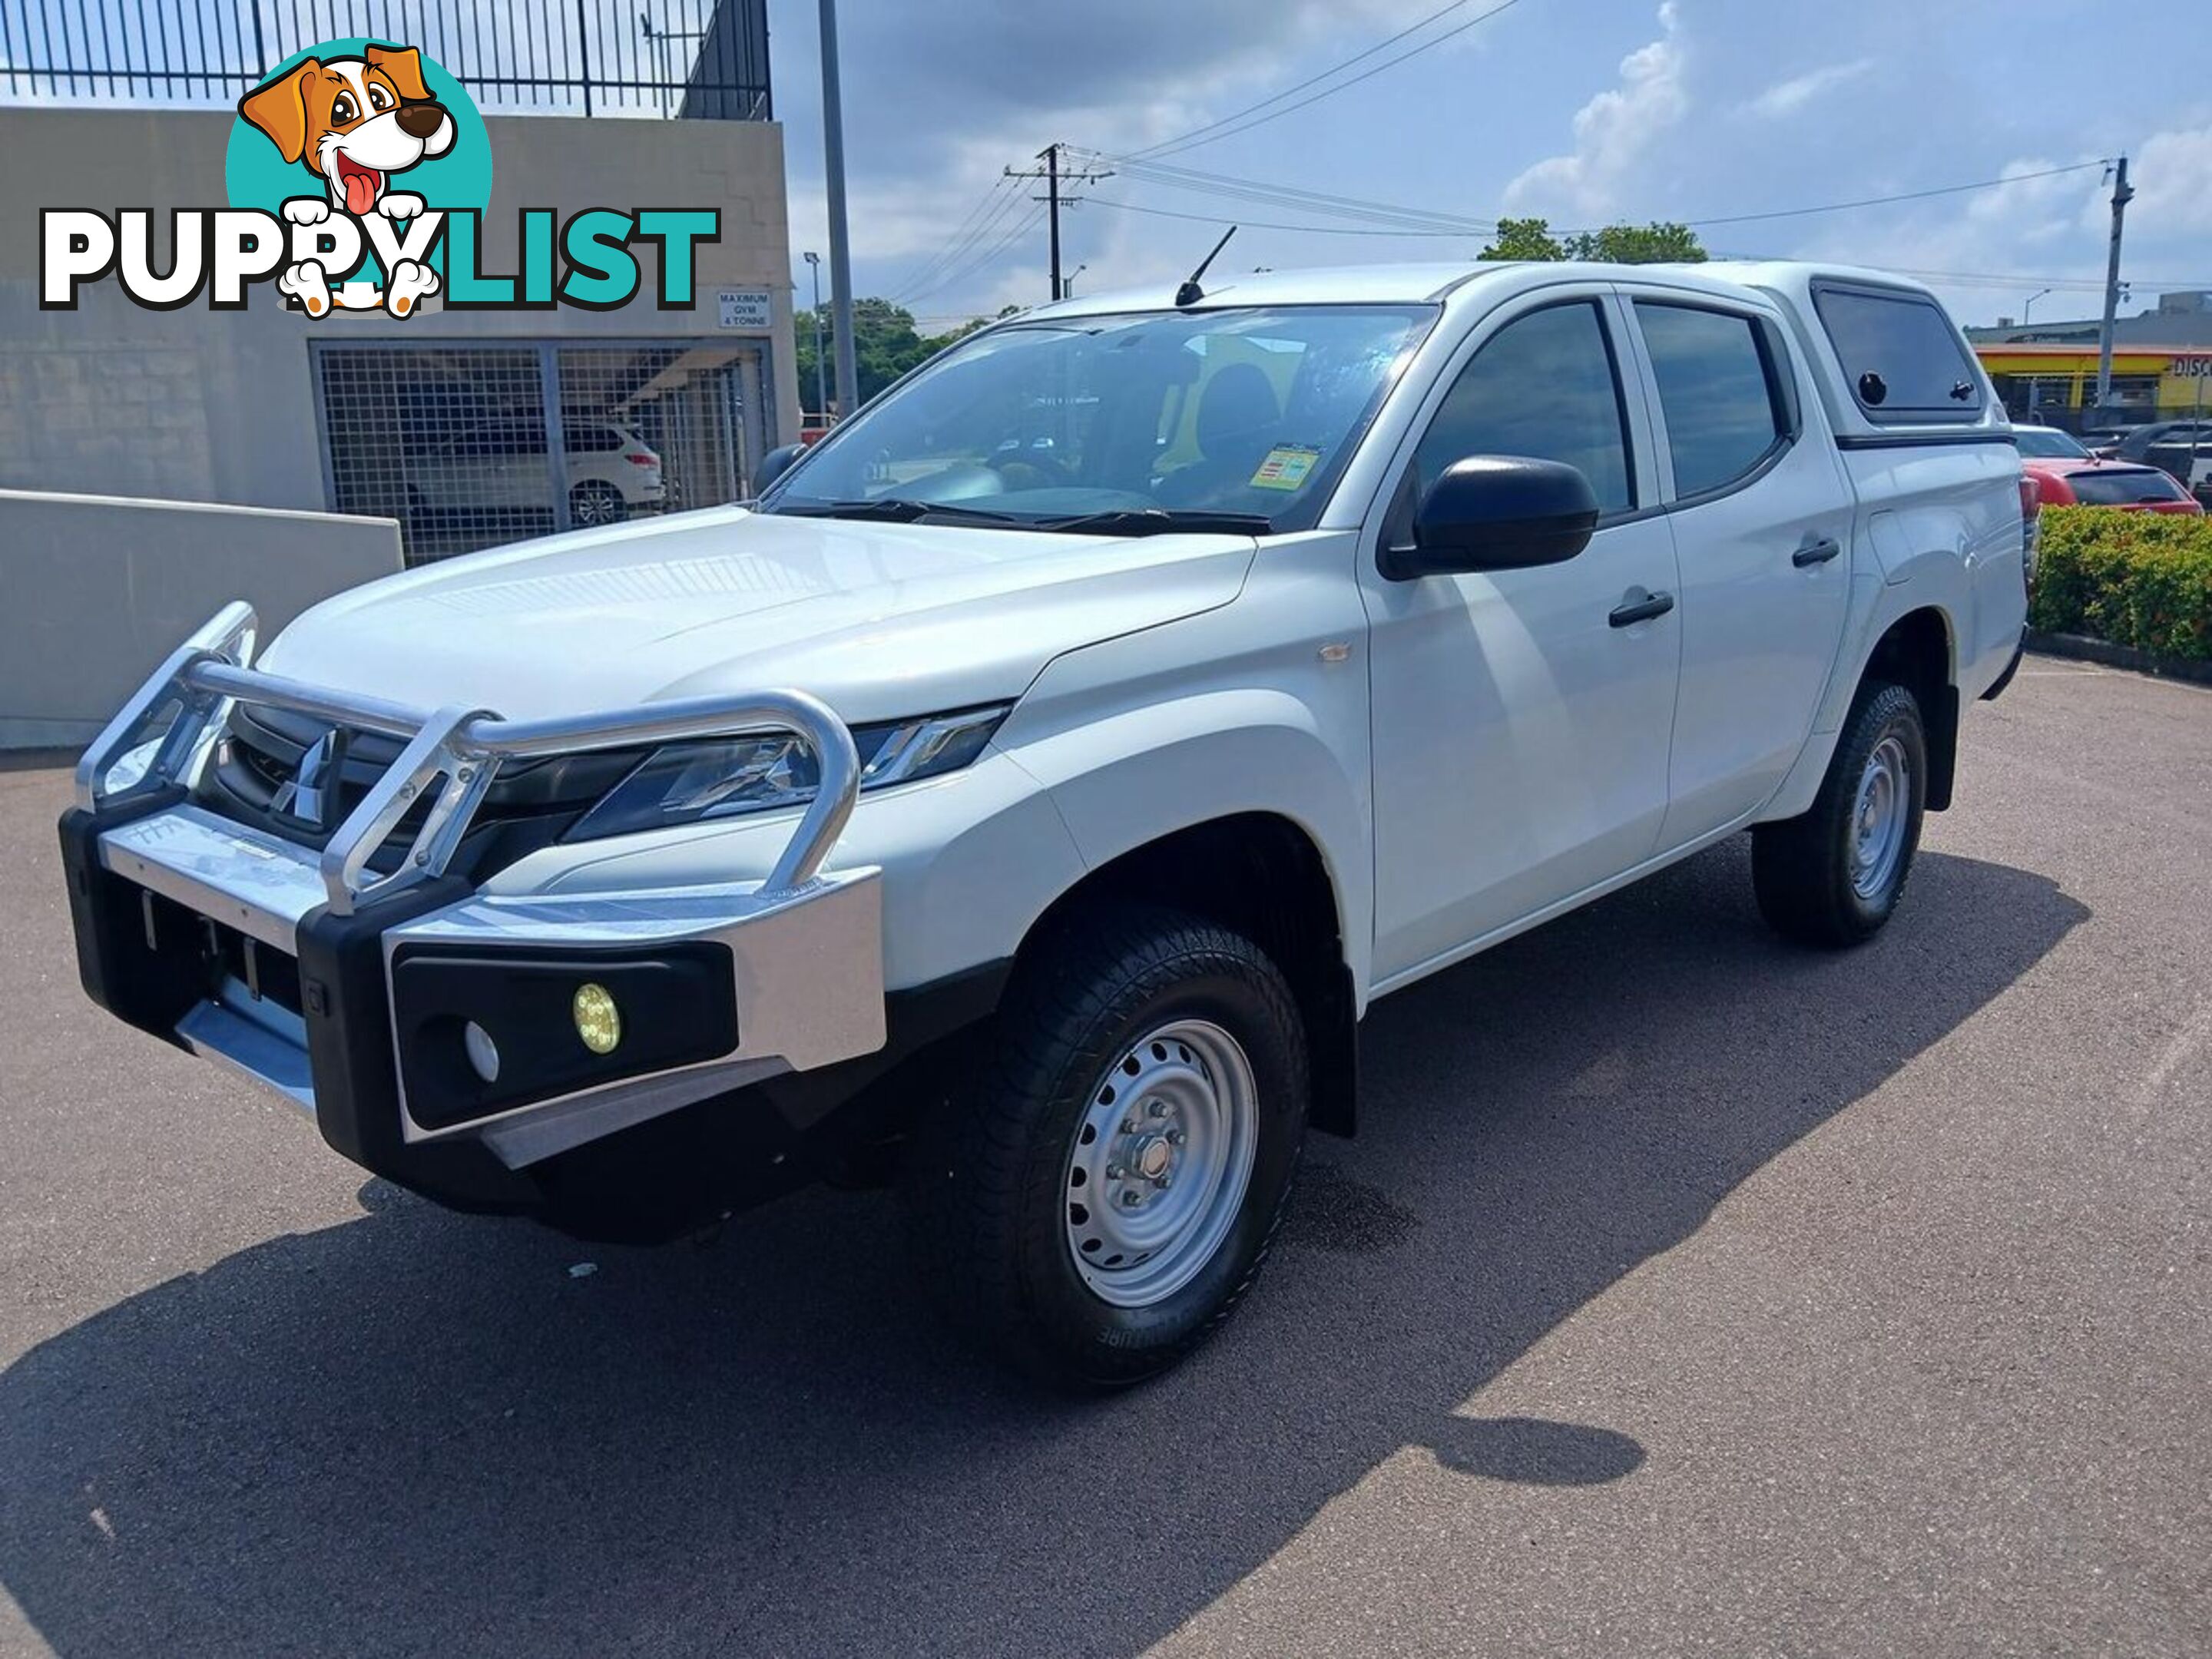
[(899, 509), (1160, 521)]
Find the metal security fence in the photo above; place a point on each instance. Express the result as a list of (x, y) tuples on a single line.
[(469, 446), (698, 58)]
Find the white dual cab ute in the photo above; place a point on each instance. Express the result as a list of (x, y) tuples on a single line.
[(1024, 800)]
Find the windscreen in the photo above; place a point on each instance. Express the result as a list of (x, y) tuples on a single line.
[(1250, 413), (2048, 444)]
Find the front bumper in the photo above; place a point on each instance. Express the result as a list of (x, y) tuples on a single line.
[(350, 981)]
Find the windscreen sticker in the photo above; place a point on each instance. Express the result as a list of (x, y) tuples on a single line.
[(1286, 467)]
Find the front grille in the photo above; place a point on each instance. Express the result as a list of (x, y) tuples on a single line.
[(530, 805), (259, 754)]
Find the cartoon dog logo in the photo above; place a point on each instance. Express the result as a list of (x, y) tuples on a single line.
[(355, 122)]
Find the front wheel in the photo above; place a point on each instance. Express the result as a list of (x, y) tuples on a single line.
[(1834, 875), (1102, 1193)]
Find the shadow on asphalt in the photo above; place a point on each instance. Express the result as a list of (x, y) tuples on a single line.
[(418, 1431)]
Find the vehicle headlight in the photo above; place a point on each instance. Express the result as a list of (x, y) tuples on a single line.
[(729, 777)]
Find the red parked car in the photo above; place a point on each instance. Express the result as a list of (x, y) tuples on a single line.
[(2107, 483)]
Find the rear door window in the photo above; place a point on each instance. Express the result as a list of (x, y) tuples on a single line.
[(1721, 393), (1901, 355), (588, 438)]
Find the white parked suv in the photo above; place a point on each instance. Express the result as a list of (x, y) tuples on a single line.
[(1024, 801), (499, 469)]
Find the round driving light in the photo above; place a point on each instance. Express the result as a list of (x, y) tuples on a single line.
[(598, 1023), (484, 1053)]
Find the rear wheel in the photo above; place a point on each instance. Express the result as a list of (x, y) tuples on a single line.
[(1099, 1198), (1833, 876), (595, 502)]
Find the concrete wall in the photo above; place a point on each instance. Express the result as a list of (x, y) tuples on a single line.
[(219, 406), (101, 589)]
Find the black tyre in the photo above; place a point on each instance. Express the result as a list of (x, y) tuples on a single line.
[(1100, 1190), (1832, 876)]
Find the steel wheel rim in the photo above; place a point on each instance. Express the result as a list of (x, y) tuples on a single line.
[(1160, 1163), (1878, 818)]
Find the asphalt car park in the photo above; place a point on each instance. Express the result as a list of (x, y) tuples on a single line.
[(1684, 1292)]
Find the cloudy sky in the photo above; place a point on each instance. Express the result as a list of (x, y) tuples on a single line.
[(1583, 111)]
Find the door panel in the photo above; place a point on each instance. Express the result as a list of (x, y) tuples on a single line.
[(1519, 738), (1762, 531)]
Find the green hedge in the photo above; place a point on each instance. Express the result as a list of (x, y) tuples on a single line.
[(2136, 578)]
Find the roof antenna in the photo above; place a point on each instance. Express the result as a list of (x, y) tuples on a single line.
[(1190, 293)]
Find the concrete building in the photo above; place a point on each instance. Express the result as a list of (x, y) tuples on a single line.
[(2046, 372), (443, 421)]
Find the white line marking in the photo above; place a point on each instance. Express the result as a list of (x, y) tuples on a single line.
[(2191, 1038)]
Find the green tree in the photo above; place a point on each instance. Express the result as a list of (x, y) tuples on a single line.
[(887, 345), (1659, 242), (1523, 239)]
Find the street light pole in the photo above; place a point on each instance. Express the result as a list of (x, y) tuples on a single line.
[(841, 263), (2029, 304), (821, 361)]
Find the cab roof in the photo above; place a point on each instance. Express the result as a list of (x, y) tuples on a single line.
[(1431, 283)]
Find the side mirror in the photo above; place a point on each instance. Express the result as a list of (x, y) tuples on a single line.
[(774, 465), (1497, 513)]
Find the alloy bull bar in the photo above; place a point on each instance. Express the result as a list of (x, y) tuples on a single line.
[(723, 985)]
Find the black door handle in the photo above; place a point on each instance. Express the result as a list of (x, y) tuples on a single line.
[(1637, 605), (1817, 552)]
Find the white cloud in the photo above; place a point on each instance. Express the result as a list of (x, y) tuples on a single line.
[(1992, 252), (1787, 97), (2169, 172), (2045, 205), (1614, 131)]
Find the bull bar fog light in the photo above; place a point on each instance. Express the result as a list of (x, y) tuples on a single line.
[(483, 1052), (598, 1022)]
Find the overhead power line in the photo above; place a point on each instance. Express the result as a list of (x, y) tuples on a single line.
[(1022, 226), (1384, 218), (985, 257), (1003, 199), (1404, 217), (2091, 284), (1885, 201), (1267, 224), (1270, 194), (1000, 199), (1226, 127), (1396, 220), (1992, 279)]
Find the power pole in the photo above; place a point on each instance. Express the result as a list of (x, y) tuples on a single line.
[(1052, 195), (1051, 176), (841, 262), (2122, 195)]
